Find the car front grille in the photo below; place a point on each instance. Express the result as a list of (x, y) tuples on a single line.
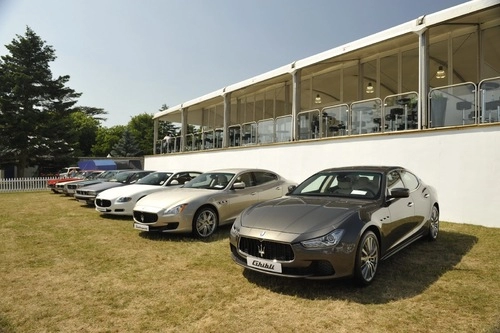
[(145, 217), (72, 187), (103, 203), (266, 249)]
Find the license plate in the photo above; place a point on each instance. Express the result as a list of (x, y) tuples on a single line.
[(141, 227), (82, 201), (101, 209), (263, 264)]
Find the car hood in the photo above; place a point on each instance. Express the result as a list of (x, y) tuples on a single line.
[(56, 181), (90, 182), (169, 198), (102, 186), (299, 215), (129, 190)]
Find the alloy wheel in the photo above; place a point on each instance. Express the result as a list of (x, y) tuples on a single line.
[(205, 222)]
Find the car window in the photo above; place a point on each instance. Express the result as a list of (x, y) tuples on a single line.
[(410, 180), (247, 178), (134, 178), (155, 178), (394, 180), (120, 177), (211, 180), (107, 174), (262, 177), (183, 177), (352, 184), (137, 176), (316, 184)]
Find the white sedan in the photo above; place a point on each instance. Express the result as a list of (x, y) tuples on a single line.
[(121, 200)]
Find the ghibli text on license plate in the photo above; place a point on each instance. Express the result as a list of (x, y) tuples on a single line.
[(263, 264)]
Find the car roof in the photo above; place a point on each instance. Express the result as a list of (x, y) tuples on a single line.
[(177, 171), (135, 171), (237, 170), (372, 168)]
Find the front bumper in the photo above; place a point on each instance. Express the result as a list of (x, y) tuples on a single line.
[(153, 222), (83, 198), (293, 260), (107, 206)]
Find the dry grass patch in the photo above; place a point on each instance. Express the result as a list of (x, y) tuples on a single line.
[(65, 268)]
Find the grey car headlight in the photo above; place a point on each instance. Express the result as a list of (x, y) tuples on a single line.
[(331, 239), (235, 230), (175, 210), (123, 199)]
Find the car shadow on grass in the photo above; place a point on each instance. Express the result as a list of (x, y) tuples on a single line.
[(406, 274), (221, 234), (117, 217)]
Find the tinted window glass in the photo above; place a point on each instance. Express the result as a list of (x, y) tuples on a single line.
[(213, 181), (352, 184), (394, 180), (155, 178), (246, 178), (264, 177), (410, 180)]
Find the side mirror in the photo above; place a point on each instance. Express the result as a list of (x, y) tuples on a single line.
[(291, 188), (399, 193), (174, 182), (238, 186)]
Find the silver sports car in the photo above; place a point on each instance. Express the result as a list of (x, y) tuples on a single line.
[(339, 222), (209, 200)]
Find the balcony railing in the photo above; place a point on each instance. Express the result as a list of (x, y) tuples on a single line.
[(454, 105)]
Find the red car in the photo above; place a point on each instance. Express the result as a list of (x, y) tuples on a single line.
[(52, 183)]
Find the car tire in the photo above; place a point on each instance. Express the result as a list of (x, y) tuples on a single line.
[(367, 259), (433, 224), (205, 222)]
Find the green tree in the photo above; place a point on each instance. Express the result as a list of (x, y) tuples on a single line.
[(106, 139), (142, 129), (126, 146), (96, 113), (85, 128), (34, 107)]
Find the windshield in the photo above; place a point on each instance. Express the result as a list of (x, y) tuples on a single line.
[(211, 180), (107, 174), (91, 174), (120, 177), (350, 184), (155, 178)]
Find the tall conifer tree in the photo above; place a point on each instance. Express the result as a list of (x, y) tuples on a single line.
[(35, 108)]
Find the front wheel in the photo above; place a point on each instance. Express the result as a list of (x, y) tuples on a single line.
[(434, 224), (205, 222), (367, 258)]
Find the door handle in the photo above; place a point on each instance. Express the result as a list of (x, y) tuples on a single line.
[(278, 188), (254, 193), (410, 204)]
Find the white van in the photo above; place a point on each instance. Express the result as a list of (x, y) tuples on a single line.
[(68, 171)]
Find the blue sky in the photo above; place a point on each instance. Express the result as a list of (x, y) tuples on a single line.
[(131, 57)]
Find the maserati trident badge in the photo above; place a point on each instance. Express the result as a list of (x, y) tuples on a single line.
[(262, 250)]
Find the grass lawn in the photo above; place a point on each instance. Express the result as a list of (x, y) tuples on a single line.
[(66, 268)]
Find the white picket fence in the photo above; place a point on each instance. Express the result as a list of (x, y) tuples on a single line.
[(24, 184)]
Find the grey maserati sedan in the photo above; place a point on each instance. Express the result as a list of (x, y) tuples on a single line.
[(339, 222)]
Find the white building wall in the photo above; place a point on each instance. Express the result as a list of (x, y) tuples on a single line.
[(463, 164)]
